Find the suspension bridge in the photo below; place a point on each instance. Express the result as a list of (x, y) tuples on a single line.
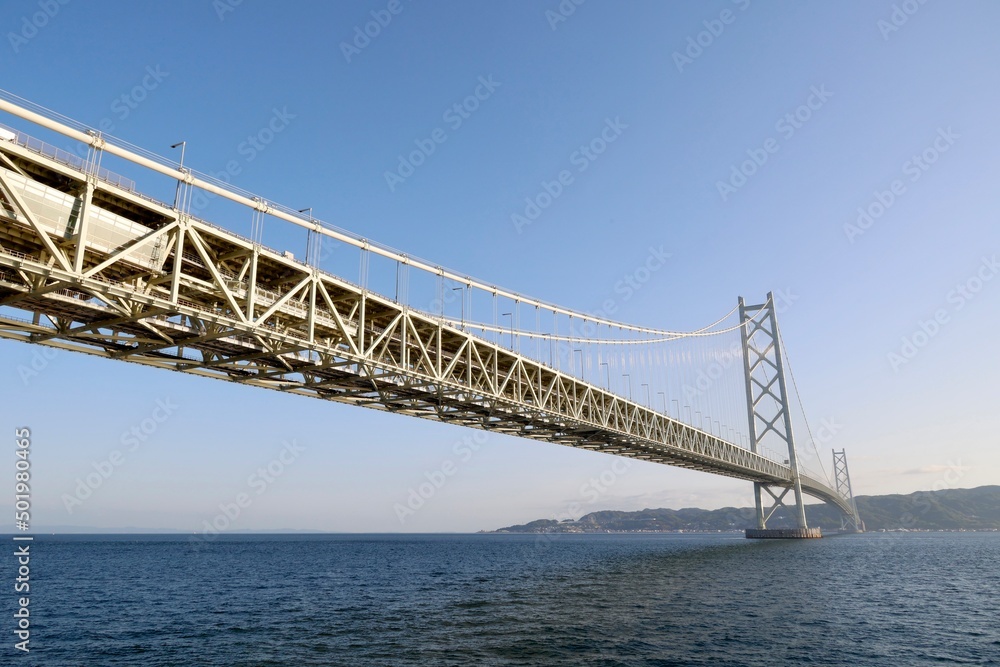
[(91, 263)]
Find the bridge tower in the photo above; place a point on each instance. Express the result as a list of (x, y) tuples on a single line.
[(768, 413), (842, 477)]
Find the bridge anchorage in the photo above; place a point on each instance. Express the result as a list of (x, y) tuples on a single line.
[(90, 264)]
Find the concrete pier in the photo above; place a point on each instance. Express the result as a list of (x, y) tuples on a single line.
[(783, 533)]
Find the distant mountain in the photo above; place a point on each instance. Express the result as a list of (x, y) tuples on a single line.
[(950, 509)]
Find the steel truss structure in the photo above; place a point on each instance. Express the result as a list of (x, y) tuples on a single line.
[(765, 380), (849, 521), (769, 415), (100, 269)]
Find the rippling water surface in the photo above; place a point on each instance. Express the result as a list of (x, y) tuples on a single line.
[(880, 599)]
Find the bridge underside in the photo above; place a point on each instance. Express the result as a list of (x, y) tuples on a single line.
[(95, 268)]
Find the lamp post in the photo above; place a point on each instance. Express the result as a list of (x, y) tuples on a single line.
[(177, 192), (511, 316), (646, 385), (629, 384), (309, 237), (607, 368), (581, 360)]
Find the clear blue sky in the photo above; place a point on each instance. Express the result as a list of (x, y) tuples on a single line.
[(882, 90)]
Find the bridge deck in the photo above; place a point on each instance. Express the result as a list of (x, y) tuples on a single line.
[(101, 269)]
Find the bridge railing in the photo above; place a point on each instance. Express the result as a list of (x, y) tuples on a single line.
[(69, 159)]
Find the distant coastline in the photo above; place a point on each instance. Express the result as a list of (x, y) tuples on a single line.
[(976, 509)]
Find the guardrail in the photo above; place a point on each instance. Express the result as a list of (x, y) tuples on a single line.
[(69, 159)]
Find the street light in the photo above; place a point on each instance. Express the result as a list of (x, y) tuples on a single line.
[(646, 385), (626, 375), (462, 290), (177, 192), (663, 395), (511, 316), (581, 361), (309, 238), (608, 370), (677, 407)]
